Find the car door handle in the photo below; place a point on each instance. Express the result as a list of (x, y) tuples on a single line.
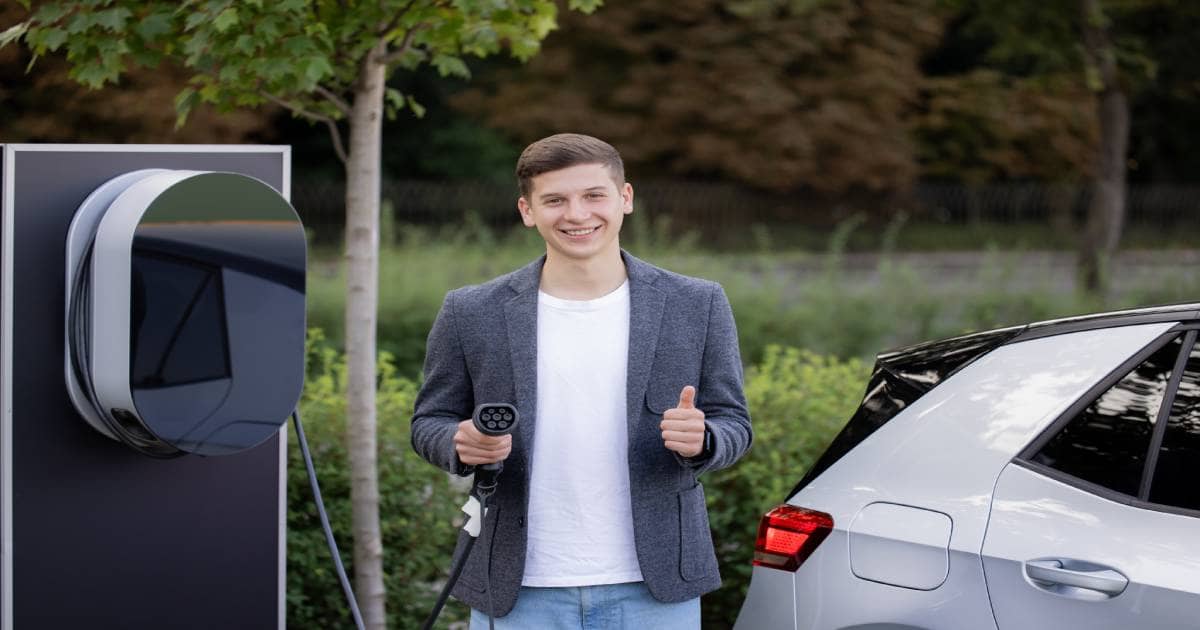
[(1094, 578)]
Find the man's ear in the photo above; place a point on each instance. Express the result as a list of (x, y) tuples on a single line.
[(526, 212), (627, 198)]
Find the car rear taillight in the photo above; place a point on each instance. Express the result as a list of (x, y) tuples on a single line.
[(788, 535)]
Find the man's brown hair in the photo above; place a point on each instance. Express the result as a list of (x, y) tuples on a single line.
[(564, 150)]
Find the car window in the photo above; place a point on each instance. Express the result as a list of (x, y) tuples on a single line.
[(1106, 443), (1177, 474)]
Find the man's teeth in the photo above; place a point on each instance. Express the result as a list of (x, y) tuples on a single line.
[(580, 232)]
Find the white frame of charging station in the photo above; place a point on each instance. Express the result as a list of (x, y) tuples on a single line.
[(6, 339)]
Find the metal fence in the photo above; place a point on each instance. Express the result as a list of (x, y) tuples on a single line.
[(727, 211)]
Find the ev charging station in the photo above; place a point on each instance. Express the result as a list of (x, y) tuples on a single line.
[(151, 349)]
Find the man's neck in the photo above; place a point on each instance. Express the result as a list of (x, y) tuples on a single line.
[(570, 279)]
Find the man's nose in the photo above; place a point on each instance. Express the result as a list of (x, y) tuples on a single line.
[(576, 210)]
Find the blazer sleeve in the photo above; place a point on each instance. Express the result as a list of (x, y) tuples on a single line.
[(446, 395), (720, 393)]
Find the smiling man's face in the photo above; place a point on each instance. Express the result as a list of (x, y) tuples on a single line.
[(578, 210)]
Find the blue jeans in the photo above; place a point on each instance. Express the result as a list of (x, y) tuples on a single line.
[(593, 608)]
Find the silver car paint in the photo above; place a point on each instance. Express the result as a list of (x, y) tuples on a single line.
[(900, 545), (944, 453), (1035, 518)]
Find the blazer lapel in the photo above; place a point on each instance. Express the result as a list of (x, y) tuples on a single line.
[(520, 320), (646, 303)]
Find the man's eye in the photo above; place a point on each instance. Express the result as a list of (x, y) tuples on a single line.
[(596, 195), (553, 202)]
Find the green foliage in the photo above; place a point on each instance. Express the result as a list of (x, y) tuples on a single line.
[(798, 401), (304, 54), (418, 505)]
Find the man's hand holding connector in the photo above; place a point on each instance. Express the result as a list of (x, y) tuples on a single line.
[(475, 448)]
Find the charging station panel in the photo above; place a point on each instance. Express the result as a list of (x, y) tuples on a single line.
[(93, 533)]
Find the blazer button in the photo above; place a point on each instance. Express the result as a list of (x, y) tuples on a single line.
[(521, 521)]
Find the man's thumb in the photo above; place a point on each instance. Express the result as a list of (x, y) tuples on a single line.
[(687, 398)]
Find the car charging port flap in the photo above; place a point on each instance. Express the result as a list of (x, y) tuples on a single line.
[(787, 536)]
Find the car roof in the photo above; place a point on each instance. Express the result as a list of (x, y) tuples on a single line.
[(1168, 312), (1183, 312)]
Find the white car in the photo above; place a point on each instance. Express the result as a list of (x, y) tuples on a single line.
[(1038, 477)]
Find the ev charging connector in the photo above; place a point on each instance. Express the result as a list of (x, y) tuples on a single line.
[(493, 419)]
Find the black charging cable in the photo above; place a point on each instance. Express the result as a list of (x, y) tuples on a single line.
[(489, 419), (316, 489)]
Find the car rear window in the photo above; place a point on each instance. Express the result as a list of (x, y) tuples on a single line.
[(901, 377)]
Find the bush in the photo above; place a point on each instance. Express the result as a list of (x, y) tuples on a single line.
[(798, 401), (418, 506)]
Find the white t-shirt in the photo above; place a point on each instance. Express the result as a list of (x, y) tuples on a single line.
[(580, 517)]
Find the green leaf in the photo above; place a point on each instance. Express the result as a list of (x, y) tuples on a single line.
[(50, 13), (229, 74), (244, 44), (449, 65), (226, 20), (154, 25), (113, 19), (184, 101), (417, 109), (394, 98), (79, 23), (584, 6), (542, 23), (275, 68), (93, 75), (195, 19), (209, 92), (317, 68)]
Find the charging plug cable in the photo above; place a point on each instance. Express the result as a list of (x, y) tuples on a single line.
[(489, 419), (316, 489)]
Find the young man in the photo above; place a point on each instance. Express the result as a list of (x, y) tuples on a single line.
[(628, 385)]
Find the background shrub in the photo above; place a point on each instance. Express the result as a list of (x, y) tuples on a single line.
[(419, 508)]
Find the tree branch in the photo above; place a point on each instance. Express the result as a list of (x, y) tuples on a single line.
[(336, 100), (391, 24), (334, 133), (405, 44)]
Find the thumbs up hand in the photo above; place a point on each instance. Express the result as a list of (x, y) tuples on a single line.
[(683, 426)]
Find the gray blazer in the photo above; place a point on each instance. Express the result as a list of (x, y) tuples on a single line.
[(482, 348)]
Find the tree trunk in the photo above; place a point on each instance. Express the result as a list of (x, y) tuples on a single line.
[(1106, 208), (362, 296)]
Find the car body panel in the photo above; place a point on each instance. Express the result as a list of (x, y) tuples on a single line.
[(827, 595), (944, 453), (770, 602), (900, 545), (1037, 518)]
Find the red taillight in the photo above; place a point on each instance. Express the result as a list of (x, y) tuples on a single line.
[(788, 535)]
